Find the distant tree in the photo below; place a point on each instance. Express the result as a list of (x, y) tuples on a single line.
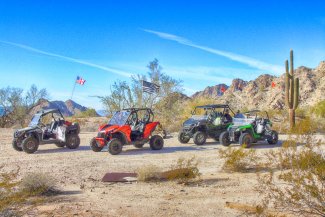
[(16, 106), (33, 95), (130, 95)]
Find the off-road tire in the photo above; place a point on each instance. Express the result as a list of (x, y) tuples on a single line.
[(15, 145), (115, 146), (30, 145), (156, 142), (138, 145), (94, 145), (72, 141), (274, 138), (246, 140), (78, 128), (199, 138), (60, 144), (182, 138), (224, 138)]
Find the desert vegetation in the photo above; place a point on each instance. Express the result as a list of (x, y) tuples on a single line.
[(183, 171), (17, 196)]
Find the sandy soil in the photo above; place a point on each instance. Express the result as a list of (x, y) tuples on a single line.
[(79, 174)]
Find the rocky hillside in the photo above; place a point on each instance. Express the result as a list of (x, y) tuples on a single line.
[(68, 108), (260, 93)]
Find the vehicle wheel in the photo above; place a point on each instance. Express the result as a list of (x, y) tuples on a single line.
[(15, 145), (274, 138), (78, 128), (156, 142), (199, 138), (30, 145), (60, 144), (94, 145), (182, 138), (138, 145), (72, 141), (246, 140), (224, 138), (114, 146)]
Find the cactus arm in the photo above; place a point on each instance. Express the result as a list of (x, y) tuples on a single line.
[(287, 84), (296, 94)]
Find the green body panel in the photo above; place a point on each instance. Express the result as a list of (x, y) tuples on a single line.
[(248, 127)]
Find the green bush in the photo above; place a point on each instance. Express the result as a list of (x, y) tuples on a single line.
[(87, 114), (319, 109), (239, 159)]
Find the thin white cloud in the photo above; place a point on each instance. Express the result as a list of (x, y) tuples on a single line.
[(70, 59), (274, 69)]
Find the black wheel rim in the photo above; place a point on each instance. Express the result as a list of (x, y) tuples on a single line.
[(115, 147), (157, 143), (247, 140), (200, 137), (30, 145), (73, 141)]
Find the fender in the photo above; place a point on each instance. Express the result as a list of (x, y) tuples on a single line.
[(149, 129)]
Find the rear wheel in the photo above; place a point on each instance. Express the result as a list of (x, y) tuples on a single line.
[(30, 145), (199, 138), (94, 145), (224, 138), (138, 145), (182, 138), (16, 146), (115, 146), (246, 140), (72, 141), (273, 139), (156, 142)]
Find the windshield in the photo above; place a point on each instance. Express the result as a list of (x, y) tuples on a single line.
[(35, 120), (119, 118)]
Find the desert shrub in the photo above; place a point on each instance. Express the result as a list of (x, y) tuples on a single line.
[(148, 173), (319, 109), (239, 159), (299, 185), (183, 171), (87, 114), (38, 184)]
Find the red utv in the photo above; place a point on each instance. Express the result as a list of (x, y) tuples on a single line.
[(133, 126)]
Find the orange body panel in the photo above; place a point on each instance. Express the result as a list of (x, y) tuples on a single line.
[(149, 129)]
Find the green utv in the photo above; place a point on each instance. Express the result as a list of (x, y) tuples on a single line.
[(249, 128), (206, 121)]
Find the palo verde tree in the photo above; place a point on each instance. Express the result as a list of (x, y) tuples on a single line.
[(16, 105), (291, 90), (124, 94)]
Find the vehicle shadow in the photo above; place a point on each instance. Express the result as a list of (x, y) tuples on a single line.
[(167, 150), (63, 150)]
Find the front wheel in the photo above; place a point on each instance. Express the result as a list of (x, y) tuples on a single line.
[(156, 142), (273, 139), (115, 146), (72, 141), (94, 145), (182, 138), (16, 146), (224, 138), (246, 140), (199, 138), (30, 145)]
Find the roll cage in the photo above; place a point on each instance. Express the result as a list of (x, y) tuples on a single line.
[(213, 107)]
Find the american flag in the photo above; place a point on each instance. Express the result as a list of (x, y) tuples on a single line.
[(80, 80), (149, 87)]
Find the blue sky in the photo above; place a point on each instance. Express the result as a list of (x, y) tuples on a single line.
[(49, 43)]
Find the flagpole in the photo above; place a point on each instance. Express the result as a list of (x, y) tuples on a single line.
[(74, 86)]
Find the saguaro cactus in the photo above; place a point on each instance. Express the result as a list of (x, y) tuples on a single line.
[(291, 90)]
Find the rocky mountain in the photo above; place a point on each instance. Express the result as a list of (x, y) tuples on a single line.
[(217, 90), (67, 108), (261, 94)]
